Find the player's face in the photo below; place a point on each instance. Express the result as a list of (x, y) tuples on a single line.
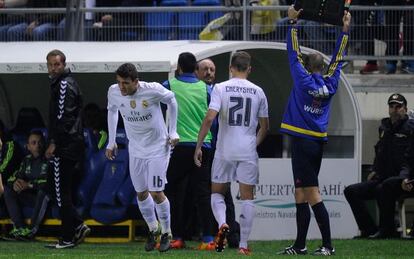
[(55, 66), (206, 71), (397, 111), (127, 85), (35, 145)]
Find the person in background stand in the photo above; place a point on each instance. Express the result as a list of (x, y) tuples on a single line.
[(66, 148), (305, 121)]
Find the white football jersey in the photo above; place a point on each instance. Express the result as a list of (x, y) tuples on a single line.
[(240, 104), (143, 120)]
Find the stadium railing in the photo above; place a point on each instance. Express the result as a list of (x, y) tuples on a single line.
[(374, 27)]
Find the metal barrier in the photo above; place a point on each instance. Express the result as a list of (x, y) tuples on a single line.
[(378, 32)]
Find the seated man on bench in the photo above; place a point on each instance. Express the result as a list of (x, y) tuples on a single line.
[(25, 188)]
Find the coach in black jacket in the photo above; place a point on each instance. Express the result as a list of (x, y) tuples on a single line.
[(394, 135), (66, 147)]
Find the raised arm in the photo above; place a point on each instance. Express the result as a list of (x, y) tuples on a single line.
[(335, 65), (296, 63)]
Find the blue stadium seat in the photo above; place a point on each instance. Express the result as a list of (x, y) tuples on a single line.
[(126, 193), (211, 15), (121, 139), (158, 25), (91, 143), (162, 25), (190, 24), (21, 140), (207, 2), (94, 169), (106, 207), (214, 15), (173, 3)]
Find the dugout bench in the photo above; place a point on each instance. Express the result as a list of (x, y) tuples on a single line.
[(124, 230)]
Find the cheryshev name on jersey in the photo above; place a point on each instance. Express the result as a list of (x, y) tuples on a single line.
[(240, 89)]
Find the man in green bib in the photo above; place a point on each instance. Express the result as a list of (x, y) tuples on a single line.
[(184, 178)]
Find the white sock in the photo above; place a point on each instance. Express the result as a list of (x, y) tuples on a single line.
[(219, 208), (247, 214), (163, 212), (148, 213)]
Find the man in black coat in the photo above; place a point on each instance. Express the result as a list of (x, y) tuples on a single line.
[(66, 147), (394, 135)]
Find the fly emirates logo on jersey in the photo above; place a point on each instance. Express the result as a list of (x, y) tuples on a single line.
[(135, 116)]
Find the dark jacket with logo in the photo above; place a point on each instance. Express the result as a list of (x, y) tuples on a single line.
[(32, 170), (392, 147), (65, 127)]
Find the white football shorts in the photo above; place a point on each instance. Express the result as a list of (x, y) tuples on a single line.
[(148, 174), (226, 171)]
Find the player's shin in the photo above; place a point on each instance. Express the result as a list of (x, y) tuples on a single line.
[(247, 213)]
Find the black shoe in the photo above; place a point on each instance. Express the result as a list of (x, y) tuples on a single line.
[(361, 237), (291, 250), (165, 242), (379, 235), (324, 251), (81, 232), (364, 235), (221, 237), (61, 245), (152, 239)]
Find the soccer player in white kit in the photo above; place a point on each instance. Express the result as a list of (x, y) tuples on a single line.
[(149, 145), (241, 106)]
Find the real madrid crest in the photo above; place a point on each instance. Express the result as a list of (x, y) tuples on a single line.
[(144, 103), (133, 104)]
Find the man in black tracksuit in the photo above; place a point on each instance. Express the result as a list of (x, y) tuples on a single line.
[(390, 150), (66, 147)]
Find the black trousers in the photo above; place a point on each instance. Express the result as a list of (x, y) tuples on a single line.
[(60, 185), (183, 176), (391, 191), (15, 201), (386, 193), (356, 195)]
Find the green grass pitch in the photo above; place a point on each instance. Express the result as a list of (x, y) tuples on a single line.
[(386, 249)]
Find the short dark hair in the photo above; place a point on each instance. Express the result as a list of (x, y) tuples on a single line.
[(314, 62), (240, 61), (187, 62), (56, 52), (127, 70)]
